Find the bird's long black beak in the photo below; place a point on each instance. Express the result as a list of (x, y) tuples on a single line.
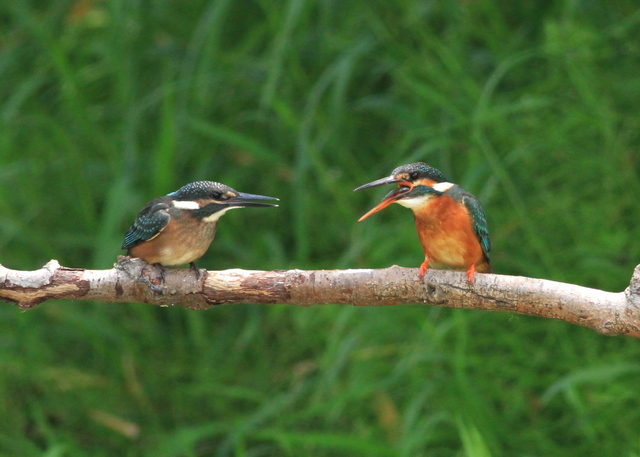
[(245, 200), (392, 197), (380, 182)]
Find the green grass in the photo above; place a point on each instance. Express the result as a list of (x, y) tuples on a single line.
[(532, 106)]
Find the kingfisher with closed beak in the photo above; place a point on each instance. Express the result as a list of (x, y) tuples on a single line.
[(178, 228), (451, 223)]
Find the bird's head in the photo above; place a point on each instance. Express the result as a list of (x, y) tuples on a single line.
[(417, 183), (209, 200)]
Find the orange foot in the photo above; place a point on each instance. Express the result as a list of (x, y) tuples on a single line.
[(423, 267), (471, 272)]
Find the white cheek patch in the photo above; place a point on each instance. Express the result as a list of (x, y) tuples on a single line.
[(185, 204), (215, 216), (414, 202), (443, 186)]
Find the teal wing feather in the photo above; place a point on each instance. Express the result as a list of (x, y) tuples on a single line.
[(479, 218), (151, 220)]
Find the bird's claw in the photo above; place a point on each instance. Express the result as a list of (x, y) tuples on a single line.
[(195, 269), (154, 287), (471, 272), (423, 268)]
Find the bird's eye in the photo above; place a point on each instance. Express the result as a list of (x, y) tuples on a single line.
[(216, 195), (414, 175)]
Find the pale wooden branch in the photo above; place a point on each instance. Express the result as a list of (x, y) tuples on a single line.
[(132, 280)]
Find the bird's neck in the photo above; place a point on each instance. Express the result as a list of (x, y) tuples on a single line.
[(433, 211)]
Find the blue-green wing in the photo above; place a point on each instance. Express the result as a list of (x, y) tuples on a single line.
[(479, 222), (151, 220)]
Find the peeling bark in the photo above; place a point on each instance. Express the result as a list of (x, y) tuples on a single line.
[(132, 280)]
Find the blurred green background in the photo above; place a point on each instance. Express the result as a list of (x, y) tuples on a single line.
[(532, 106)]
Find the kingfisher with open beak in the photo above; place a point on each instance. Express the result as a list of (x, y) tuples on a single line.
[(451, 223), (178, 228)]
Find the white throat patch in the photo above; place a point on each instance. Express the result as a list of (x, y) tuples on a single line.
[(414, 202), (215, 216)]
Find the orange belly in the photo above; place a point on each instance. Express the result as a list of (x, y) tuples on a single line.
[(447, 237), (173, 246)]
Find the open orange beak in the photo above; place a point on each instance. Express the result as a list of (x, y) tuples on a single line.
[(392, 197)]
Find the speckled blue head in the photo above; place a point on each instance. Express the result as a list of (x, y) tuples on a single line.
[(409, 175), (418, 171), (202, 190), (414, 180), (205, 198)]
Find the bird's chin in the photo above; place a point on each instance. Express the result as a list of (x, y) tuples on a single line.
[(215, 216), (414, 202)]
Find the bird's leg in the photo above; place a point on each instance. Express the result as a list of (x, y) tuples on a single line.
[(471, 272), (423, 267), (196, 270)]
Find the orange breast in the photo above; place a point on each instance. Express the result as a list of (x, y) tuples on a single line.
[(183, 240), (446, 233)]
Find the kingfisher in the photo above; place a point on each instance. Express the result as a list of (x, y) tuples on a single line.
[(178, 228), (451, 222)]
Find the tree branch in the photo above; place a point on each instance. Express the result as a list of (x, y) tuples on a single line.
[(132, 280)]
